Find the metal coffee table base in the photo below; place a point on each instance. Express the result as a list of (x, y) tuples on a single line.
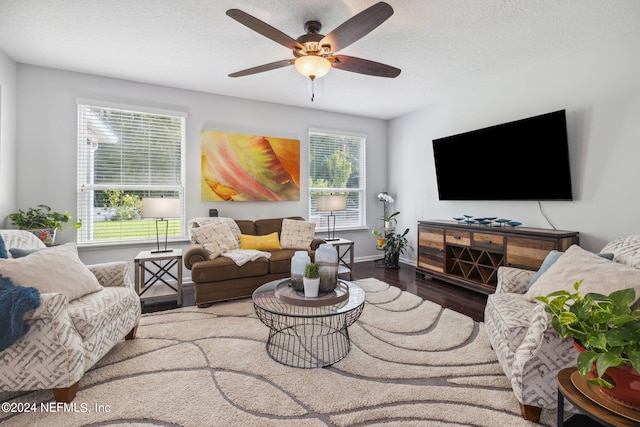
[(308, 342)]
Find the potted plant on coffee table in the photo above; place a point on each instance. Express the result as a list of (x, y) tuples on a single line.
[(311, 280), (394, 246), (42, 221), (606, 332)]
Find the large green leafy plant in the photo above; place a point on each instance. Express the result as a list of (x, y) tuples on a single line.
[(395, 245), (604, 325), (40, 217)]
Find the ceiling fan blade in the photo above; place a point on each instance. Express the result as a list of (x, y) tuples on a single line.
[(363, 66), (263, 28), (358, 26), (262, 68)]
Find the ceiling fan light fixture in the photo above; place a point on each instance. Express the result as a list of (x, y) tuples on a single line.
[(313, 66)]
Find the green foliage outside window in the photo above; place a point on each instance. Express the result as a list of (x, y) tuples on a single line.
[(125, 206)]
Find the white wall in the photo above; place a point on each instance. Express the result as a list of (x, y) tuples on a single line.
[(47, 145), (7, 137), (599, 88)]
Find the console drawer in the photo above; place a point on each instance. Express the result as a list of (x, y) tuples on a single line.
[(457, 237), (489, 241)]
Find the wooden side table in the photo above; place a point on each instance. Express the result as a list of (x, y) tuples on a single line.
[(344, 248), (159, 266), (594, 414)]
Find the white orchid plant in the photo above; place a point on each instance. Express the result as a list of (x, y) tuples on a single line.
[(384, 197)]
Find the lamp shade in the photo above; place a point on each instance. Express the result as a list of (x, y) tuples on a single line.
[(313, 66), (160, 207), (332, 202)]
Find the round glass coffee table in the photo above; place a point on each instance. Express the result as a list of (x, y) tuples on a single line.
[(308, 332)]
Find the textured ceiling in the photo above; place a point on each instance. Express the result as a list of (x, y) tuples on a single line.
[(440, 45)]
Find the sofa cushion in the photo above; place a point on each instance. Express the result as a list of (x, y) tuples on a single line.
[(246, 226), (19, 253), (598, 274), (551, 258), (268, 242), (93, 313), (222, 268), (268, 226), (20, 239), (297, 234), (281, 261), (511, 315), (626, 250), (58, 269)]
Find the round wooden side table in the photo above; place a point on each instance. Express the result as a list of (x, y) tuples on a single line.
[(594, 413)]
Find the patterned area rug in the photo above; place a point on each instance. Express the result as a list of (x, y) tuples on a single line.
[(411, 363)]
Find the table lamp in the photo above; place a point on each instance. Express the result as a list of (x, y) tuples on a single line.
[(161, 208), (331, 203)]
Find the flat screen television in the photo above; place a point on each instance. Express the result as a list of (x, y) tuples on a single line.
[(526, 159)]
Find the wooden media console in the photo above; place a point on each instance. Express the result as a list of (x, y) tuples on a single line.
[(469, 255)]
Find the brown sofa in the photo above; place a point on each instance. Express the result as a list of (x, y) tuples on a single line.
[(221, 279)]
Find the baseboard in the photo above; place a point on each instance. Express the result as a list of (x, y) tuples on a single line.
[(377, 257)]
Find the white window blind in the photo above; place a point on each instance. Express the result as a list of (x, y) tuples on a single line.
[(337, 166), (123, 156)]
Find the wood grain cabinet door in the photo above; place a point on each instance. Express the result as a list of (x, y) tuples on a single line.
[(431, 248), (523, 252)]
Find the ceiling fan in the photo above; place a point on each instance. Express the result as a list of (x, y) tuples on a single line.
[(314, 53)]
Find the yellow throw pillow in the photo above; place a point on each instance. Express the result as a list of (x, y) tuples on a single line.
[(267, 242)]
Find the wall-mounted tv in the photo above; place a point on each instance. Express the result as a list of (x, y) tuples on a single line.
[(526, 159)]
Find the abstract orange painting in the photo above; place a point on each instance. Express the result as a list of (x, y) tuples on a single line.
[(240, 168)]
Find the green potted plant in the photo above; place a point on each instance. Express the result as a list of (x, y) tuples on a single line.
[(394, 246), (311, 280), (380, 238), (42, 221), (606, 331)]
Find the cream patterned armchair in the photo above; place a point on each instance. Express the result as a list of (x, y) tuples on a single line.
[(529, 350), (66, 337)]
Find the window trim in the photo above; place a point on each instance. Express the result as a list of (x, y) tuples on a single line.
[(363, 187), (82, 163)]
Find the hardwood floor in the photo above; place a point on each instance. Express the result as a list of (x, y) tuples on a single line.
[(453, 297)]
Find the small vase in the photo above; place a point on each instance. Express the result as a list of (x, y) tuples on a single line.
[(380, 243), (327, 260), (298, 263), (46, 235), (311, 287)]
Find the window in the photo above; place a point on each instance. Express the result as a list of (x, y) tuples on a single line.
[(337, 166), (123, 156)]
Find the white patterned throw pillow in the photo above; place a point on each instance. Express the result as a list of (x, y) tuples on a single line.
[(598, 274), (216, 237), (57, 269), (296, 234), (206, 220)]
